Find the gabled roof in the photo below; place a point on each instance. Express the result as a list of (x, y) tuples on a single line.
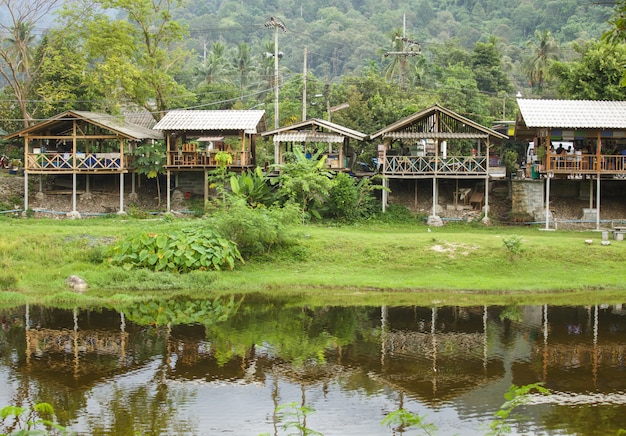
[(62, 123), (573, 114), (436, 122), (249, 121), (306, 131)]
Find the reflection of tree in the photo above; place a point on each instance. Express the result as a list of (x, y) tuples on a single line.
[(181, 312), (585, 419), (296, 335)]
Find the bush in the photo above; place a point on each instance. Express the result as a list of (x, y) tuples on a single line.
[(255, 230), (181, 251), (394, 214), (350, 200)]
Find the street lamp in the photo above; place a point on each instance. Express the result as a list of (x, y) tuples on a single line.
[(273, 24)]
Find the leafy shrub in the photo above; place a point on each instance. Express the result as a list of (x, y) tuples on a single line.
[(351, 200), (513, 244), (255, 230), (394, 213), (180, 251), (24, 421), (254, 187), (8, 282)]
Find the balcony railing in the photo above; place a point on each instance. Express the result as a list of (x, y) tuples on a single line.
[(588, 163), (192, 159), (74, 162), (431, 165)]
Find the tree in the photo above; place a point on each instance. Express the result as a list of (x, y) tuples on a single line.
[(243, 65), (597, 75), (617, 33), (305, 182), (544, 49), (137, 56), (487, 66), (17, 45), (150, 161)]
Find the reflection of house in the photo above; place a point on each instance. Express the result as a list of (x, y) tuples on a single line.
[(194, 139), (437, 353), (437, 143), (581, 350), (596, 131), (80, 143), (314, 135), (85, 350)]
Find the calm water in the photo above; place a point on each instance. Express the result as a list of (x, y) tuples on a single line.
[(225, 366)]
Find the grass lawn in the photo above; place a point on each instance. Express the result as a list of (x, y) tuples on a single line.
[(402, 263)]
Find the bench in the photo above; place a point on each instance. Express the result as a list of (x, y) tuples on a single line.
[(618, 232)]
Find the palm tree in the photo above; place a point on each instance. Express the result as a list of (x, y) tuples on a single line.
[(544, 49), (214, 67), (243, 65), (20, 44)]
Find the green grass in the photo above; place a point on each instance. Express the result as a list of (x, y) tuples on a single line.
[(351, 264)]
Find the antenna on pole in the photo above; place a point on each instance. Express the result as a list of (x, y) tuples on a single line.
[(409, 48), (274, 24)]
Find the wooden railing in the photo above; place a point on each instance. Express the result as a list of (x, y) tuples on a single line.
[(192, 159), (588, 163), (430, 165), (75, 162)]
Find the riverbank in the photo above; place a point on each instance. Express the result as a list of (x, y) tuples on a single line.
[(407, 264)]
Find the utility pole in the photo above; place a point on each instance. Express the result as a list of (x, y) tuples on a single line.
[(304, 73), (273, 24), (406, 51)]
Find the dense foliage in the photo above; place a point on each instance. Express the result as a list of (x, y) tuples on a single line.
[(386, 59), (179, 251)]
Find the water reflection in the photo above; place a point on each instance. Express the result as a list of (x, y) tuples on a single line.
[(225, 365)]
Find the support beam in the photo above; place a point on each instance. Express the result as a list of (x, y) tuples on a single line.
[(169, 197), (548, 201), (385, 193), (598, 203), (121, 193), (206, 186), (73, 192), (26, 190)]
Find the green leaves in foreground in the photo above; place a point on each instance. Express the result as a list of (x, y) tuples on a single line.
[(25, 421), (180, 251)]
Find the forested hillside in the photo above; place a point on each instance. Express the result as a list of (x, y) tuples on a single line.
[(385, 59), (345, 36)]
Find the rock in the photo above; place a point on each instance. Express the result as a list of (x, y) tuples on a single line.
[(76, 283), (606, 243), (73, 215), (588, 241)]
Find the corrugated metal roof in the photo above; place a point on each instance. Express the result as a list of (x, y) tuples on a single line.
[(308, 137), (62, 122), (436, 135), (573, 114), (128, 129), (207, 120), (313, 123)]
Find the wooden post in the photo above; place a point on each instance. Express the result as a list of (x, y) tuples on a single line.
[(169, 179), (74, 191), (121, 192), (26, 190)]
